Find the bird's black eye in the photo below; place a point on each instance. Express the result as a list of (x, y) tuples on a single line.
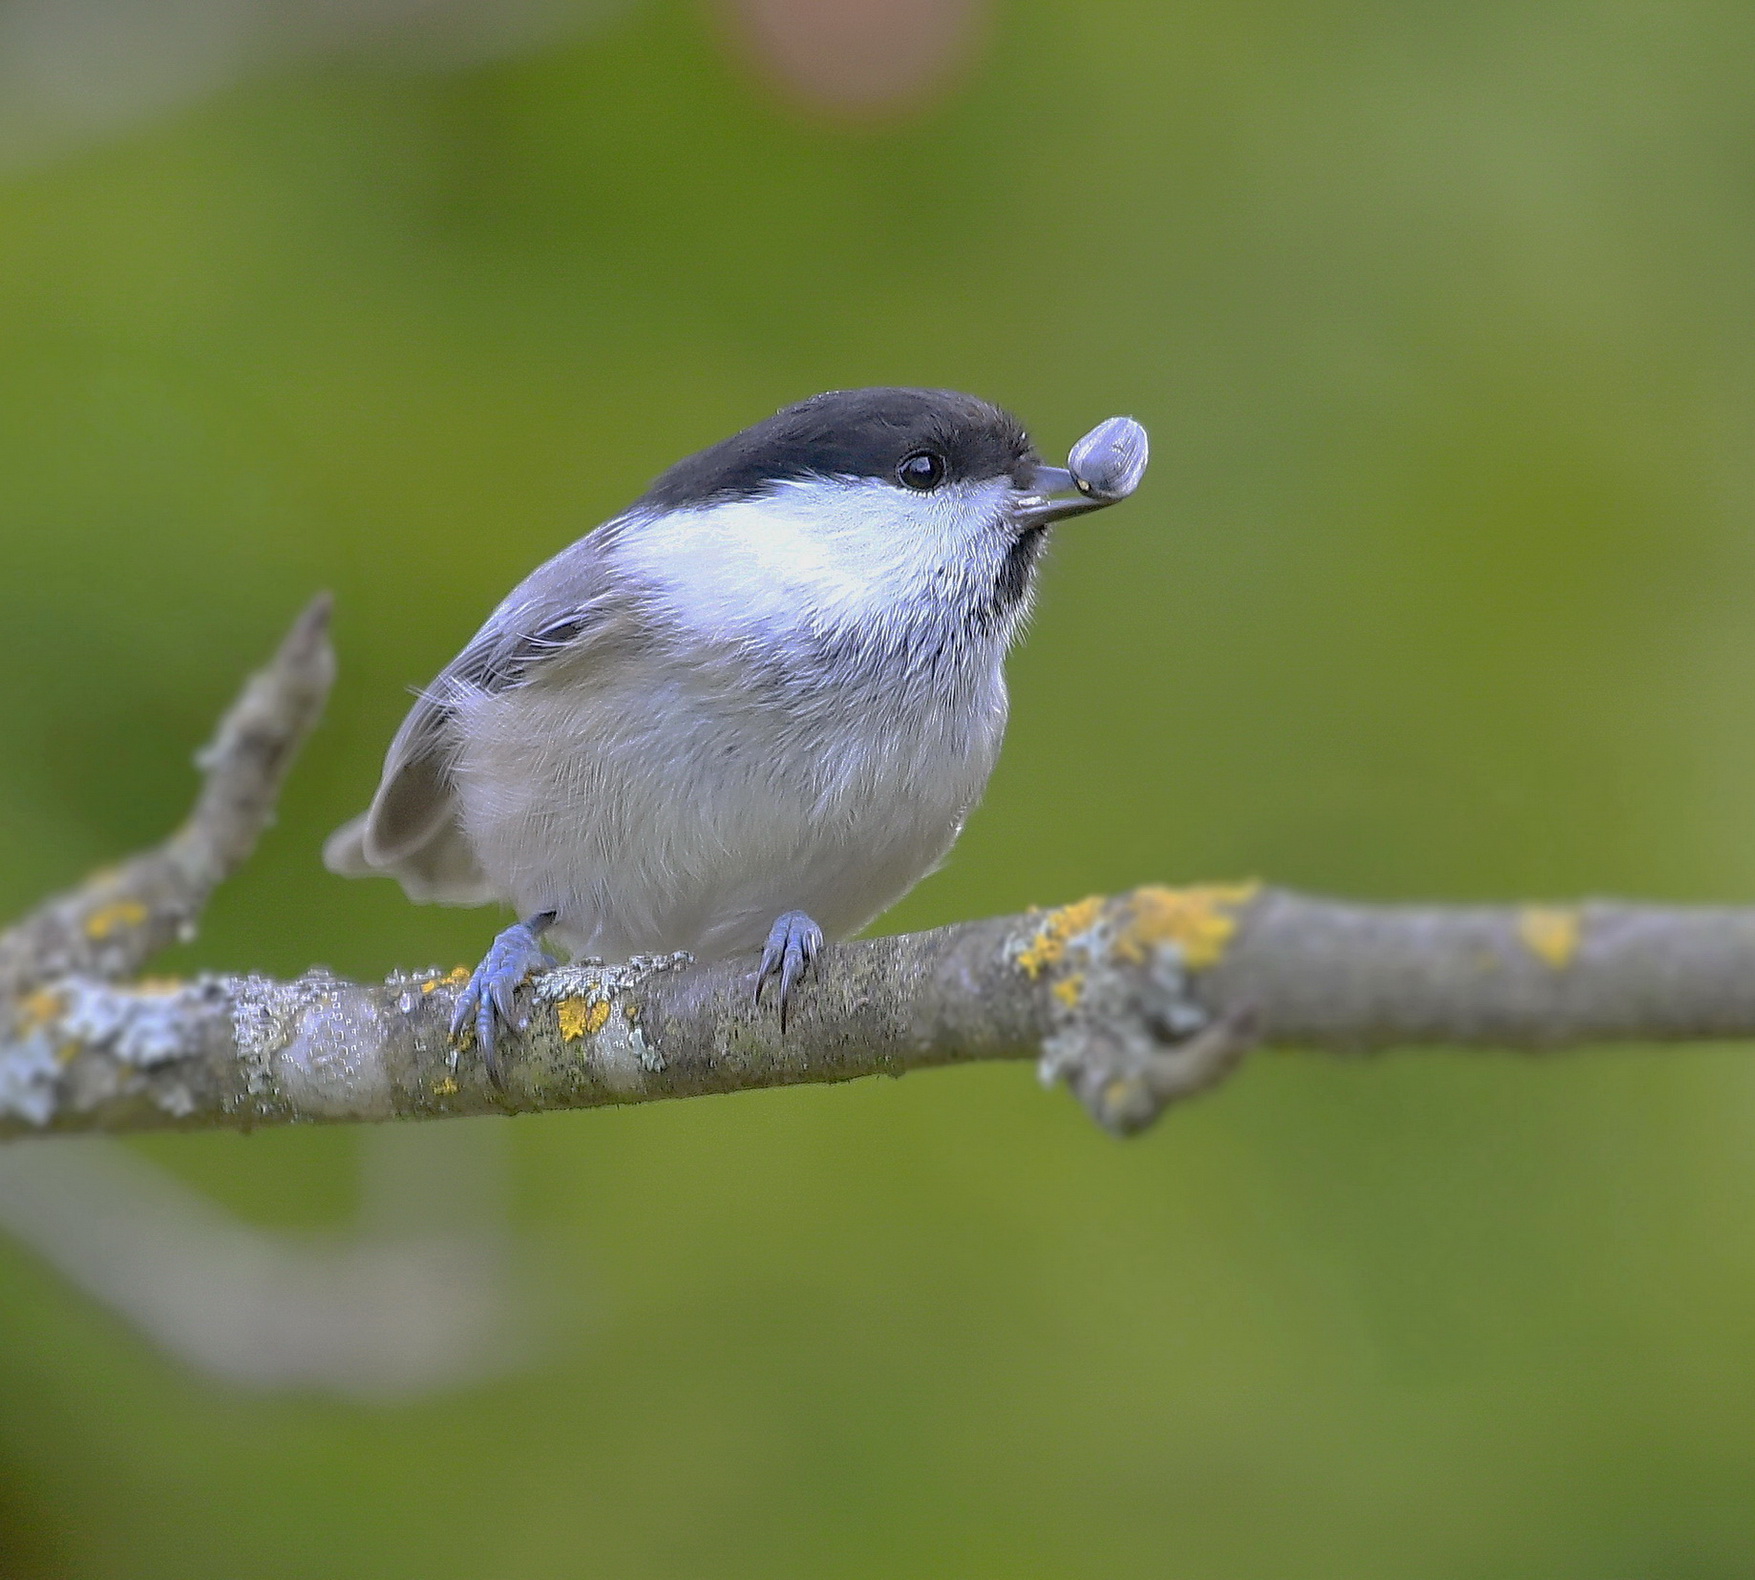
[(923, 469)]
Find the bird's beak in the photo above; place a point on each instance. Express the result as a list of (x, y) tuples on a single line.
[(1105, 466)]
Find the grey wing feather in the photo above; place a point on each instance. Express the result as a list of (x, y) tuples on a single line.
[(411, 831)]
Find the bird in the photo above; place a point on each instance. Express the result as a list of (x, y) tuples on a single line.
[(747, 713)]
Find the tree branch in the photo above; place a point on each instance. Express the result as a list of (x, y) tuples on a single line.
[(1135, 1001)]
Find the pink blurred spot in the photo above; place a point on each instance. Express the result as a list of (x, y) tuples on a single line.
[(860, 57)]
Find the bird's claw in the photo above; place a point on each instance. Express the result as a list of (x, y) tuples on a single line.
[(794, 941), (488, 1001)]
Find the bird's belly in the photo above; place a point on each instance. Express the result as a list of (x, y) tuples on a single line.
[(655, 819)]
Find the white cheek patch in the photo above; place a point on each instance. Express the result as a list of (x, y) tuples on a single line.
[(817, 552)]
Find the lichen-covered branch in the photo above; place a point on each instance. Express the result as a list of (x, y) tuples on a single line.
[(1134, 1001)]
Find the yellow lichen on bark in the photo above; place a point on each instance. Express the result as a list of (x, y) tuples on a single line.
[(1200, 921), (1550, 933), (1048, 947), (579, 1017), (113, 918), (37, 1009)]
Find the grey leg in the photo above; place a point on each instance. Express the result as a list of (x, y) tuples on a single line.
[(487, 1000), (793, 942)]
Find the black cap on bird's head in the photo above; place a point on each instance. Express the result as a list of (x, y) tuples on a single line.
[(917, 439)]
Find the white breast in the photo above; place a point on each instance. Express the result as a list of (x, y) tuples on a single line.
[(841, 554), (802, 736)]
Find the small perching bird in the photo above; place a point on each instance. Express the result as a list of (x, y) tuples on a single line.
[(751, 711)]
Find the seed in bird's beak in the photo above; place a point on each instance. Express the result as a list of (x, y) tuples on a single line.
[(1110, 460), (1105, 466)]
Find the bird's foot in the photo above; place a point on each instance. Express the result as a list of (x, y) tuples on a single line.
[(487, 1001), (794, 941)]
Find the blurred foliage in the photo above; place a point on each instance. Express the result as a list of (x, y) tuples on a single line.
[(1443, 322)]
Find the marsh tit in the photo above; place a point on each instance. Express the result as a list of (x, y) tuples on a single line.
[(749, 712)]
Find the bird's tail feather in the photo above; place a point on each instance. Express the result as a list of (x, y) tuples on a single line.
[(441, 871)]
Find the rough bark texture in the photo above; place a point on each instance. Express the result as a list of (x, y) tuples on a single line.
[(1134, 1002)]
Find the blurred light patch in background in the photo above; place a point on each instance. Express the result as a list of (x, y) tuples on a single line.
[(73, 70), (859, 58), (419, 1296)]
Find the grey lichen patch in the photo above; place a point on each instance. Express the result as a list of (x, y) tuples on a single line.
[(333, 1065), (315, 1045), (264, 1013), (177, 1100), (85, 1040), (1127, 1036), (651, 1060), (621, 1058), (28, 1070), (598, 1002), (595, 982), (412, 988), (141, 1026)]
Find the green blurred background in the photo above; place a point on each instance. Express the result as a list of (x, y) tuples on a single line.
[(1441, 320)]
